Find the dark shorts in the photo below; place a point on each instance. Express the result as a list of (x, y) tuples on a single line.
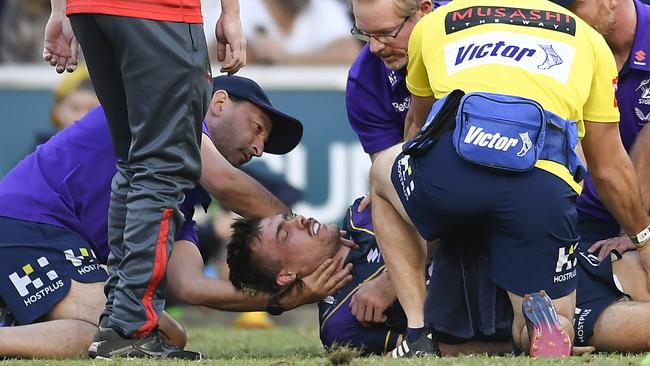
[(531, 216), (37, 262), (462, 301), (597, 288)]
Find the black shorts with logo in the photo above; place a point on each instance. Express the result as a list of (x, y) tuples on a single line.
[(530, 217), (598, 287), (37, 262)]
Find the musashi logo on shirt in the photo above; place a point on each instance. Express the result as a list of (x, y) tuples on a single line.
[(458, 20)]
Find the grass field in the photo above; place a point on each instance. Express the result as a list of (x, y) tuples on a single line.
[(283, 346)]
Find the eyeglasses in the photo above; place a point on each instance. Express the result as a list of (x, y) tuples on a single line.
[(381, 37)]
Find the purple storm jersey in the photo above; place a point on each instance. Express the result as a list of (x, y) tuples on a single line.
[(377, 100), (633, 102), (66, 182), (337, 324)]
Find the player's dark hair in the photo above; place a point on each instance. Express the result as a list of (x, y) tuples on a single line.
[(249, 270)]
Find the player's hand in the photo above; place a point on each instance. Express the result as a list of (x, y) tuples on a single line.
[(621, 244), (230, 37), (347, 242), (365, 202), (60, 47), (372, 299), (328, 278)]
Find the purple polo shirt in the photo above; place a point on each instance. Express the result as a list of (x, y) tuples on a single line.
[(377, 101), (66, 182), (633, 102)]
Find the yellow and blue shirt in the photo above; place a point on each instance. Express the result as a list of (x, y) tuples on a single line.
[(539, 51)]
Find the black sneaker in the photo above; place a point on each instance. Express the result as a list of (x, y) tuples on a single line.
[(424, 346), (108, 344), (547, 337)]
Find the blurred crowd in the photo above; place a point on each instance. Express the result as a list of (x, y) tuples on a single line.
[(285, 32)]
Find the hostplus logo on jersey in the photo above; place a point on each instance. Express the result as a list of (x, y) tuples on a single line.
[(534, 54), (86, 262), (30, 287), (566, 262)]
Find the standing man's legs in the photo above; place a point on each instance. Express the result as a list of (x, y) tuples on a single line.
[(159, 71)]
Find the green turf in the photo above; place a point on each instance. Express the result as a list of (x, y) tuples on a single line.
[(300, 346)]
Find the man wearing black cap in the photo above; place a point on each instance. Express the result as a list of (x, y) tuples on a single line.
[(53, 228)]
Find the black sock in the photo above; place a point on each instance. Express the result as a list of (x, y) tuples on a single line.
[(412, 334)]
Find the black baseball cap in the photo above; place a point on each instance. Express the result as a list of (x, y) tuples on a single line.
[(286, 131)]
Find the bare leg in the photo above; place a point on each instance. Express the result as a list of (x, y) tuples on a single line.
[(52, 339), (623, 327), (632, 276), (67, 330), (565, 307), (404, 251)]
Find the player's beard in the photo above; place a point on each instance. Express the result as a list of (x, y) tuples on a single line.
[(606, 18)]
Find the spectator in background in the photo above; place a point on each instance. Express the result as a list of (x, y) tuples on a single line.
[(295, 31), (21, 30), (74, 96)]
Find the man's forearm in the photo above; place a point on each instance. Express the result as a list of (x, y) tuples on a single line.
[(222, 295), (640, 156), (230, 7), (234, 189), (613, 174), (249, 198), (621, 195), (417, 114), (58, 6)]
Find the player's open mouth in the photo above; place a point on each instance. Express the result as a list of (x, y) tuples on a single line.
[(315, 227)]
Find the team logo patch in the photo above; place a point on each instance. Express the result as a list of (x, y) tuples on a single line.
[(566, 262), (30, 286), (533, 54), (404, 171), (461, 19), (85, 262), (392, 78), (373, 256)]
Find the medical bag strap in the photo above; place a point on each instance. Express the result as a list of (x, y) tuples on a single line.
[(443, 121)]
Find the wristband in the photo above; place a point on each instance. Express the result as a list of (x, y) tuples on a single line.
[(274, 307), (641, 239)]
